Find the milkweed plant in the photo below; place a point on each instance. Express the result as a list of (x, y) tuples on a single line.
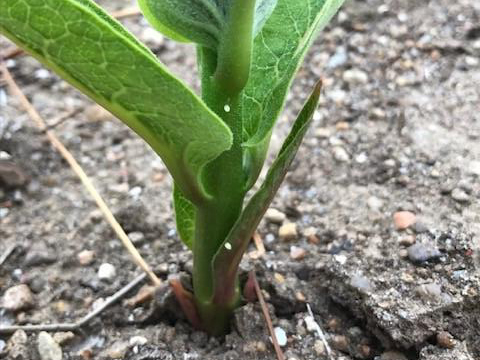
[(213, 145)]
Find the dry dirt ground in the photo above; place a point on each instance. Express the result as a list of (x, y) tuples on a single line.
[(398, 129)]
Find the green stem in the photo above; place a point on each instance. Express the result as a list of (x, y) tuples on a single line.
[(224, 181), (235, 50)]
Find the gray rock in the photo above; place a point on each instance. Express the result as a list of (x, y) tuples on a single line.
[(429, 292), (40, 255), (47, 348), (421, 252), (460, 195), (420, 227), (361, 283), (137, 237)]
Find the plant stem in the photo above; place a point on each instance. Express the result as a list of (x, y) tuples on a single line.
[(224, 181), (235, 50)]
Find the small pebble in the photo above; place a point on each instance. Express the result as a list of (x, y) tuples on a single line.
[(17, 298), (275, 216), (18, 345), (445, 340), (281, 336), (137, 340), (47, 348), (334, 324), (85, 257), (340, 342), (319, 347), (421, 252), (355, 76), (297, 253), (460, 195), (340, 154), (300, 296), (342, 126), (279, 278), (339, 58), (323, 133), (62, 338), (107, 272), (136, 237), (311, 235), (40, 256), (429, 292), (361, 282), (406, 240), (403, 219), (288, 231), (260, 346), (474, 168), (151, 37), (374, 203), (420, 227), (97, 113)]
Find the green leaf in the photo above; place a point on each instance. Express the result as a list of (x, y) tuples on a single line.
[(228, 257), (198, 21), (185, 217), (93, 52), (278, 51)]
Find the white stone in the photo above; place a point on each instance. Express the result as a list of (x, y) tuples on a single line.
[(107, 271), (281, 336), (474, 167), (137, 340), (48, 348), (374, 203), (355, 76), (275, 216), (340, 154)]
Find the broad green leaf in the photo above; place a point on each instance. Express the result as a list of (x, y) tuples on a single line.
[(228, 257), (185, 217), (93, 52), (198, 21), (277, 53)]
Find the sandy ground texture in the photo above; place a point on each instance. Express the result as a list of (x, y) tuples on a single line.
[(377, 225)]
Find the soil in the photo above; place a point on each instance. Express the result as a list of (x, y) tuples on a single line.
[(398, 129)]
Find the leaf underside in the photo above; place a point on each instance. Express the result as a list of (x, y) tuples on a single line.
[(228, 257), (198, 21), (93, 52), (278, 52), (185, 217)]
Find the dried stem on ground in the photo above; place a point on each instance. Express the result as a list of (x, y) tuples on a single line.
[(57, 144), (268, 320), (7, 253), (84, 320), (318, 330)]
